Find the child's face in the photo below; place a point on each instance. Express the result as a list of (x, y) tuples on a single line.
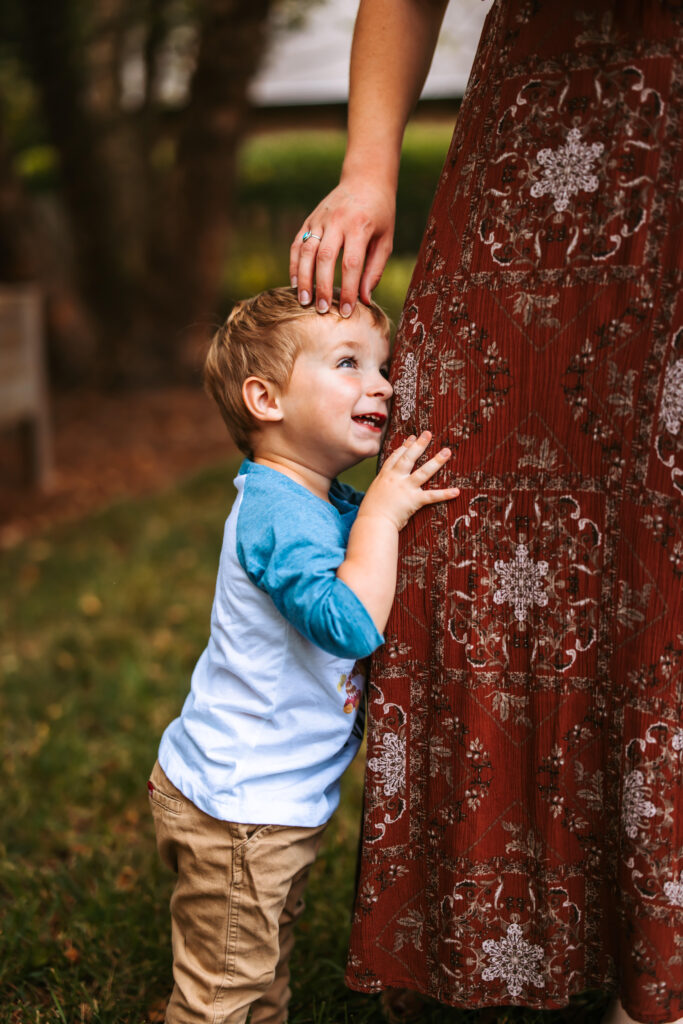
[(336, 404)]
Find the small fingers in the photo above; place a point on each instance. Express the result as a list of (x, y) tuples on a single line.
[(397, 453), (413, 449), (427, 470), (431, 497)]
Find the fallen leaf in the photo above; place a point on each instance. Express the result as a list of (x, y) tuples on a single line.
[(126, 879), (90, 605), (177, 613), (162, 639), (65, 660), (157, 1011), (71, 953), (29, 576)]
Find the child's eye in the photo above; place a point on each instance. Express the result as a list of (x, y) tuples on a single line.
[(348, 362), (384, 370)]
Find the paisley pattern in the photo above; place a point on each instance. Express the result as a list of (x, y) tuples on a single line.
[(523, 837)]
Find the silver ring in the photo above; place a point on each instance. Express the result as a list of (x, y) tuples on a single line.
[(309, 234)]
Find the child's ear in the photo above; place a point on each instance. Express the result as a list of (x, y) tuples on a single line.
[(262, 399)]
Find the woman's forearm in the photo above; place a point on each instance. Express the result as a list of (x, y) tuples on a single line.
[(392, 50)]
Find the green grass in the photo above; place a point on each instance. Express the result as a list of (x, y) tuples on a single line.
[(100, 625)]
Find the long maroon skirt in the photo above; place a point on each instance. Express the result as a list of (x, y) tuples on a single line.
[(523, 835)]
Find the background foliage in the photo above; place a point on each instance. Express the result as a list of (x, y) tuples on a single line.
[(124, 180), (132, 112)]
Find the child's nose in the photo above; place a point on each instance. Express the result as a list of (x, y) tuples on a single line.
[(381, 387)]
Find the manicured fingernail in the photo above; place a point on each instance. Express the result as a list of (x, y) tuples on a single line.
[(346, 309), (304, 298), (322, 306), (295, 281)]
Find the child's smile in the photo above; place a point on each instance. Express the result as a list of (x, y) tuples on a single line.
[(335, 406), (373, 421)]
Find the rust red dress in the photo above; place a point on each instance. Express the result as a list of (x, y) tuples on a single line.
[(523, 835)]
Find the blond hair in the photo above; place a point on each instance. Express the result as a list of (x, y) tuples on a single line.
[(260, 339)]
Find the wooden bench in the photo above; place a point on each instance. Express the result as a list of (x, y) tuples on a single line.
[(23, 390)]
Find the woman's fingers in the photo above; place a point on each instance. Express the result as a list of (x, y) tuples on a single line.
[(308, 251), (353, 244), (326, 260), (358, 217), (355, 251), (294, 256), (376, 256), (296, 253)]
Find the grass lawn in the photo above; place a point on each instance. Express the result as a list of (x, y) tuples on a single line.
[(100, 625)]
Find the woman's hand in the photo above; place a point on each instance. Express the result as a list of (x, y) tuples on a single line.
[(393, 44), (397, 491), (357, 217)]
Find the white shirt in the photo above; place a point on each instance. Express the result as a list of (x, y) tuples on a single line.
[(268, 726)]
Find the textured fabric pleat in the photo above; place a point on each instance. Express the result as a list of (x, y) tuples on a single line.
[(522, 839)]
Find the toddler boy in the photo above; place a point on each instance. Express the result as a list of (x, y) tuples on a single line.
[(248, 775)]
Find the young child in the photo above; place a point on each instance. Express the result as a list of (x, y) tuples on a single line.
[(248, 775)]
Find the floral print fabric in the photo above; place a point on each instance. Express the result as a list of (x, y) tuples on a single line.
[(523, 838)]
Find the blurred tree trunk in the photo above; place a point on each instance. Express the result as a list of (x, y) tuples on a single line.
[(231, 43), (55, 58), (28, 254), (146, 189), (18, 242)]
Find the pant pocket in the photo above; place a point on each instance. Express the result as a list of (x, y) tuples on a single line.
[(162, 793)]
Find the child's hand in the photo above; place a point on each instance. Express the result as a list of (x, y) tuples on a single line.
[(396, 492), (369, 568)]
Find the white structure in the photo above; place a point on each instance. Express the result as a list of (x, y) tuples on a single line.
[(23, 389), (310, 64)]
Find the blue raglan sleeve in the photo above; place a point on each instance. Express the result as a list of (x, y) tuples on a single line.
[(291, 550)]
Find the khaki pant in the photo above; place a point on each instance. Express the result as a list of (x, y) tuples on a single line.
[(238, 895)]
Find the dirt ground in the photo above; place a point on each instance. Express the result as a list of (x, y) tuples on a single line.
[(108, 447)]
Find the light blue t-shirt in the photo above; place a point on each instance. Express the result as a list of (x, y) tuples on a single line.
[(268, 726)]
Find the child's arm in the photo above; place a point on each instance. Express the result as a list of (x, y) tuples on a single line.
[(290, 544), (369, 569)]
